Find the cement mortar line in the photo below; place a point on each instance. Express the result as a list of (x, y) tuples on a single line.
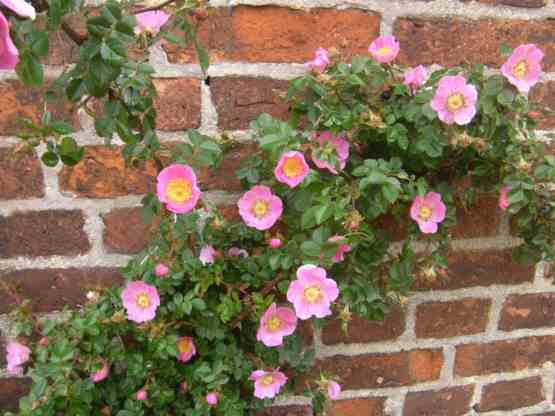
[(406, 8), (65, 262), (448, 369), (394, 404), (209, 114)]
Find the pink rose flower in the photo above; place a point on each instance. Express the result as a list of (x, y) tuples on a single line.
[(524, 66), (267, 384), (275, 324), (186, 348), (384, 49), (141, 301), (504, 198), (332, 144), (151, 21), (161, 270), (260, 208), (415, 78), (21, 8), (9, 56), (212, 399), (16, 355), (275, 243), (141, 395), (208, 255), (428, 212), (101, 374), (455, 100), (339, 255), (177, 188), (320, 61), (291, 168), (237, 252), (334, 389), (312, 293)]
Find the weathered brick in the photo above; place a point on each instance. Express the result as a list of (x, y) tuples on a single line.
[(544, 96), (515, 3), (178, 103), (241, 100), (533, 310), (502, 356), (479, 220), (384, 370), (480, 268), (509, 395), (363, 330), (18, 101), (257, 34), (20, 175), (52, 289), (125, 231), (451, 319), (43, 233), (102, 173), (286, 411), (373, 406), (454, 41), (11, 390), (454, 401)]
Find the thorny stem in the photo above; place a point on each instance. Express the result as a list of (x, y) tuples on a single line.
[(160, 6)]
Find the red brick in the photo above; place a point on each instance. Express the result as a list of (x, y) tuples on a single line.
[(515, 3), (509, 395), (125, 231), (454, 401), (480, 268), (454, 41), (20, 175), (241, 100), (544, 96), (451, 319), (178, 103), (11, 390), (18, 101), (286, 411), (480, 220), (384, 370), (258, 34), (53, 289), (43, 233), (364, 330), (504, 356), (373, 406), (528, 311)]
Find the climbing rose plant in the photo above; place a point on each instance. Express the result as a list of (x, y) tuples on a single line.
[(212, 316)]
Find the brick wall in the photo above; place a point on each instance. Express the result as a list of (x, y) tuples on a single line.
[(478, 341)]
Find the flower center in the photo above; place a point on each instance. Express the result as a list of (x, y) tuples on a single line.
[(383, 51), (274, 323), (520, 69), (143, 301), (260, 208), (184, 346), (292, 167), (179, 190), (312, 294), (267, 380), (425, 213), (455, 102)]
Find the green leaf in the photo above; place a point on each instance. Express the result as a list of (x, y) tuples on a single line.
[(50, 159), (203, 57), (30, 70), (76, 89), (38, 42), (322, 213), (113, 51), (311, 249), (505, 50)]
